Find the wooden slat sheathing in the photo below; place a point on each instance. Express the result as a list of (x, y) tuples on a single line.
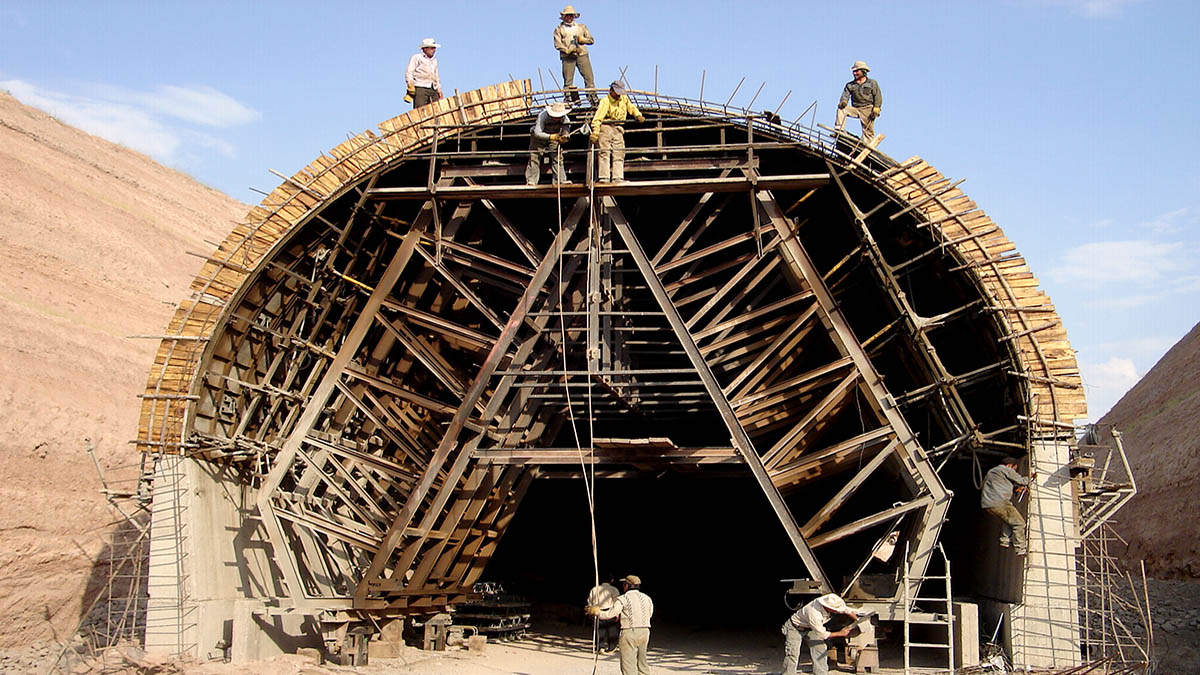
[(161, 422), (1055, 387)]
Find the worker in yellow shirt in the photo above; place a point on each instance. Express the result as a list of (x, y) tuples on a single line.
[(608, 131)]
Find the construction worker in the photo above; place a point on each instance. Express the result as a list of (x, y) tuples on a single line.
[(635, 609), (571, 39), (603, 596), (807, 624), (608, 131), (424, 84), (861, 98), (996, 499), (548, 134)]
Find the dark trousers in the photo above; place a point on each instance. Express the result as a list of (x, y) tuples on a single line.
[(424, 96), (607, 632)]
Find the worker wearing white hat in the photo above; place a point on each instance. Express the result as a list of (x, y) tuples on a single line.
[(608, 132), (861, 98), (424, 83), (548, 135), (571, 39), (807, 624)]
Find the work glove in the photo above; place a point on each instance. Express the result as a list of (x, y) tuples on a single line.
[(591, 610), (875, 112), (594, 138), (558, 138), (408, 97), (641, 118), (841, 104)]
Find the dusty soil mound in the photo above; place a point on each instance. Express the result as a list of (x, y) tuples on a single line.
[(1160, 420), (94, 240)]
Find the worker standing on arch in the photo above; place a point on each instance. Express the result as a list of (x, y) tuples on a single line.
[(571, 39), (608, 133), (861, 98), (424, 83), (548, 135)]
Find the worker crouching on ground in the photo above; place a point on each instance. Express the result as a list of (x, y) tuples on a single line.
[(608, 131), (424, 83), (549, 133), (607, 630), (634, 609), (861, 98), (997, 500), (807, 624), (571, 39)]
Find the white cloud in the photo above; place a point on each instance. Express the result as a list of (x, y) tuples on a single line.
[(199, 105), (1096, 9), (148, 122), (118, 122), (1121, 262), (1138, 348), (1173, 222), (1105, 383)]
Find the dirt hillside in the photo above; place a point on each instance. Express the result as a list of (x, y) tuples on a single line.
[(94, 240), (1160, 422)]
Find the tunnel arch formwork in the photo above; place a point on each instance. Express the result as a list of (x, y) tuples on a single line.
[(403, 336)]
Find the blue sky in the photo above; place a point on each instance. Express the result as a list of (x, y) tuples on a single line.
[(1073, 121)]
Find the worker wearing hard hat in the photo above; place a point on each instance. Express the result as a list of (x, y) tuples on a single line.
[(548, 135), (861, 98), (807, 624), (635, 609), (424, 83), (608, 131), (571, 39)]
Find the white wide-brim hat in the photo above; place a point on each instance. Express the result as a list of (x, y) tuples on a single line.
[(832, 601), (427, 42)]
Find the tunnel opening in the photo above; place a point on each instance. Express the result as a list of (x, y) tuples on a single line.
[(698, 543)]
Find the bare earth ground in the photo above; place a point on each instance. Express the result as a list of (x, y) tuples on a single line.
[(561, 649), (1160, 421), (93, 241)]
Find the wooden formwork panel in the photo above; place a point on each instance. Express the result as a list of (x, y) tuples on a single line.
[(1040, 340), (176, 361)]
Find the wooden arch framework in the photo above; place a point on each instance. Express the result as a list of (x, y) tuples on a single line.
[(403, 336)]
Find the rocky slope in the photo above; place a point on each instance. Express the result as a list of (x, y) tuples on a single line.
[(94, 240), (1160, 422)]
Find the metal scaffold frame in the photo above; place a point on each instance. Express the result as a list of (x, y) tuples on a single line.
[(384, 349)]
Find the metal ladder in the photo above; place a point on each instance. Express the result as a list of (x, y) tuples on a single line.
[(913, 587)]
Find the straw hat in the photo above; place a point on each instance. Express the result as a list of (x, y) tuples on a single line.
[(557, 109), (569, 9), (860, 65), (427, 42), (633, 580)]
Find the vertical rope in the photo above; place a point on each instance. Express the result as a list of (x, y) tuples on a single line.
[(589, 479)]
